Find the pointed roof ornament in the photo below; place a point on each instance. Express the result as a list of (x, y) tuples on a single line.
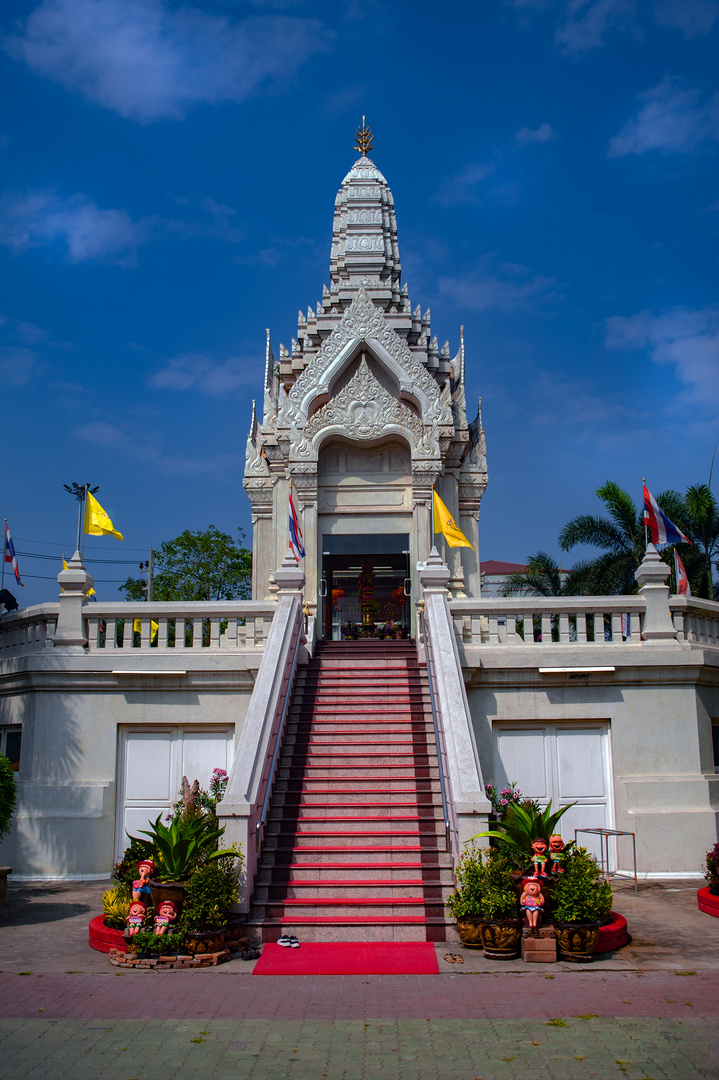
[(363, 139)]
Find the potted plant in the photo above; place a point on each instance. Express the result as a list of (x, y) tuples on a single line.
[(177, 849), (211, 892), (485, 903), (582, 900), (711, 873)]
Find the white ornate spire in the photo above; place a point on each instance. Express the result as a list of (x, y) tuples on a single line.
[(364, 235)]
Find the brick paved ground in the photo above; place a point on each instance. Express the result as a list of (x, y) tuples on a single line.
[(75, 1018)]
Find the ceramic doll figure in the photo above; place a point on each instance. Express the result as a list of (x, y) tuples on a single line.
[(136, 917), (532, 901), (557, 854), (141, 887), (539, 856), (166, 914)]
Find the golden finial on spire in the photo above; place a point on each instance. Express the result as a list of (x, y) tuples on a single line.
[(363, 139)]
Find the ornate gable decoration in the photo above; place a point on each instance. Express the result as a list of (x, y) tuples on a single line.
[(364, 409), (364, 322)]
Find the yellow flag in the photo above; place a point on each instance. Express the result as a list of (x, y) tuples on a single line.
[(444, 523), (97, 523), (137, 627)]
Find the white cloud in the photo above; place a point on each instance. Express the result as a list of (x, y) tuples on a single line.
[(510, 288), (685, 339), (17, 365), (462, 188), (695, 18), (100, 433), (88, 232), (671, 120), (211, 377), (586, 23), (149, 60), (544, 133)]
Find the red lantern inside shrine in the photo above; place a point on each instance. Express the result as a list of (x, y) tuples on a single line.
[(398, 595), (337, 595)]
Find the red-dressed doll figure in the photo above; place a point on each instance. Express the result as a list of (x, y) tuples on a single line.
[(539, 856), (557, 854), (141, 887), (136, 917), (166, 914), (532, 901)]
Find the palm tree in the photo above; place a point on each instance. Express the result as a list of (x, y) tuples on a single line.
[(697, 515), (542, 577), (621, 535)]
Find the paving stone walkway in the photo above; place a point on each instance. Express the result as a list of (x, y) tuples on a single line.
[(66, 1015)]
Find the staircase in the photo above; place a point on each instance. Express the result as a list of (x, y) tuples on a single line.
[(355, 847)]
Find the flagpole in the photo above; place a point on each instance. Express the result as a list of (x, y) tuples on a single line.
[(644, 515)]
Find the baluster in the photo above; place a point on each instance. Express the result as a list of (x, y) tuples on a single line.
[(250, 624), (635, 627), (546, 628), (564, 627), (494, 630), (180, 642), (476, 638), (110, 633), (214, 632), (528, 629), (467, 628), (616, 628), (162, 628), (93, 631), (678, 623), (126, 634), (145, 628), (197, 633), (581, 628)]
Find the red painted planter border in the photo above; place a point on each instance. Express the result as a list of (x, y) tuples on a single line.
[(708, 902), (614, 935), (103, 938)]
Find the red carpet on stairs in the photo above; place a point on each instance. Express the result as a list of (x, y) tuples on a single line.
[(349, 958)]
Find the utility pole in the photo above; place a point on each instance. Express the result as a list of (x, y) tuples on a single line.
[(150, 574)]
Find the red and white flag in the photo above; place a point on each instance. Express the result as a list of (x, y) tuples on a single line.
[(10, 555), (683, 586)]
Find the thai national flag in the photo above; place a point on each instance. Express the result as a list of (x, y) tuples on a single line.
[(295, 533), (662, 529), (10, 555), (683, 586)]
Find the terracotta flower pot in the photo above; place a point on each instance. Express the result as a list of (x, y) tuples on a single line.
[(205, 941), (577, 941), (168, 890), (469, 929), (502, 938)]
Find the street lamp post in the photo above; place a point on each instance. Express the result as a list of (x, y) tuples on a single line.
[(80, 492)]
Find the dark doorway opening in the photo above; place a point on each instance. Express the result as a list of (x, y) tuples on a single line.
[(365, 591)]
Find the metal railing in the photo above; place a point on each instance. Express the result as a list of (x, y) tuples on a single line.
[(437, 740)]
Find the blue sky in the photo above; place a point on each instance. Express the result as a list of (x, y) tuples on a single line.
[(167, 181)]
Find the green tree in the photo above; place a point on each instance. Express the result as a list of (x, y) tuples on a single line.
[(8, 795), (542, 577), (198, 565), (621, 535), (697, 515)]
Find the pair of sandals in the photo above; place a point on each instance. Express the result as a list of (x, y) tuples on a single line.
[(288, 941), (250, 954), (454, 958)]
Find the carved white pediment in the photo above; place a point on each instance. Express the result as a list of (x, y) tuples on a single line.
[(363, 322)]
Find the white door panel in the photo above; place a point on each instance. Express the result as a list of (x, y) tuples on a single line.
[(565, 763), (580, 763), (521, 757), (152, 764)]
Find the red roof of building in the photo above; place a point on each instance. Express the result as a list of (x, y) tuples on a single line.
[(495, 566)]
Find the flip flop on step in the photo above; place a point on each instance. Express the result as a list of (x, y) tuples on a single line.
[(449, 957), (458, 958)]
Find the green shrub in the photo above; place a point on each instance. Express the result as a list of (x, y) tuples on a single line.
[(181, 846), (126, 870), (581, 894), (116, 905), (8, 795), (168, 944), (525, 824), (211, 892), (484, 887)]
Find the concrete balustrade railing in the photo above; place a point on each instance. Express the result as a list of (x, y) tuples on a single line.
[(537, 621), (30, 630), (239, 624), (696, 621)]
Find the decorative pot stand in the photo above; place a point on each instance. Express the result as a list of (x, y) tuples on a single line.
[(604, 835)]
